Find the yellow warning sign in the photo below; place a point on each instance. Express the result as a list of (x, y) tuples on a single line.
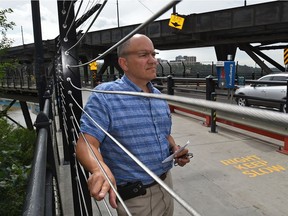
[(286, 56), (176, 21), (93, 66)]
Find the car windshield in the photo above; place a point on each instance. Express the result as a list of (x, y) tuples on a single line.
[(279, 78)]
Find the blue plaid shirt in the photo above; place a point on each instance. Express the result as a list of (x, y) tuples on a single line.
[(140, 124)]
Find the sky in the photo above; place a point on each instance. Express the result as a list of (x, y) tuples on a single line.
[(130, 12)]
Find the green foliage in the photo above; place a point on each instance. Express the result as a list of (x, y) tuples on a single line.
[(16, 156), (5, 25), (5, 42)]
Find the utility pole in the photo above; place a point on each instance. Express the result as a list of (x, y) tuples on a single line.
[(39, 56), (22, 35), (117, 13)]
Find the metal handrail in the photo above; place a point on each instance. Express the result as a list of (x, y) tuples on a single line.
[(36, 190)]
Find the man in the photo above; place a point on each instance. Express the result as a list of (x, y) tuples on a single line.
[(140, 124)]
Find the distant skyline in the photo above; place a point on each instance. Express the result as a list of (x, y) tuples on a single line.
[(130, 12)]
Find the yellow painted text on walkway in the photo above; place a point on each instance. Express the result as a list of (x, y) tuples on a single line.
[(252, 166)]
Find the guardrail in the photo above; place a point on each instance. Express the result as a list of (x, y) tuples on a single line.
[(208, 86)]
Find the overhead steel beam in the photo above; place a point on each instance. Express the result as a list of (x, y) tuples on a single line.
[(248, 50)]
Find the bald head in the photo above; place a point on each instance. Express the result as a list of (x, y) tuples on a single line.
[(126, 46)]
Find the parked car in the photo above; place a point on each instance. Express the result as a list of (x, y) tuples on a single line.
[(265, 92)]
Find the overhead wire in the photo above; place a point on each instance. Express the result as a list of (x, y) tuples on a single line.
[(145, 6)]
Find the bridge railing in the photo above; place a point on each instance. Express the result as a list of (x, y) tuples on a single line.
[(42, 196), (44, 169), (19, 78), (207, 104)]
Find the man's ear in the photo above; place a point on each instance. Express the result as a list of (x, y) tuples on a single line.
[(123, 63)]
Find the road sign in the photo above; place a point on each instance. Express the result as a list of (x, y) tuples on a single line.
[(93, 66), (286, 56), (176, 21)]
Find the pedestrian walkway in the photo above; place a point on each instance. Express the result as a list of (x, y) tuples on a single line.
[(232, 173)]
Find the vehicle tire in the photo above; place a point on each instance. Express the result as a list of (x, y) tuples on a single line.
[(242, 102)]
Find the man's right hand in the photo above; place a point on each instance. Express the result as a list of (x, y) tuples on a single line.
[(98, 185)]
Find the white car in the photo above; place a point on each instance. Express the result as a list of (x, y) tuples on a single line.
[(264, 92)]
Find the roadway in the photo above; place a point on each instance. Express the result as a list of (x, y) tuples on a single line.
[(233, 172)]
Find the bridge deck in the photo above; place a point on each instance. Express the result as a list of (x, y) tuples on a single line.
[(232, 172)]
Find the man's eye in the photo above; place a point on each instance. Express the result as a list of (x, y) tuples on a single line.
[(147, 54), (143, 54)]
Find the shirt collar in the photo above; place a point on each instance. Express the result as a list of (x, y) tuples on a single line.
[(133, 86)]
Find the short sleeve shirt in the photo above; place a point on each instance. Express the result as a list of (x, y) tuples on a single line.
[(140, 124)]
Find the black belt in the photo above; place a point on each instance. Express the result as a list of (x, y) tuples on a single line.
[(162, 177)]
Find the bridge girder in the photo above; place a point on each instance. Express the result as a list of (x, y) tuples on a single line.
[(264, 23)]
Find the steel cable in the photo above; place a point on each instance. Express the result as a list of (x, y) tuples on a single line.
[(96, 15), (97, 160), (137, 29), (148, 171), (267, 115), (73, 21), (75, 123)]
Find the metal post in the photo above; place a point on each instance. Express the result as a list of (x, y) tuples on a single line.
[(170, 68), (170, 85), (117, 13), (162, 69), (210, 88), (67, 40), (287, 97), (184, 69), (213, 114), (39, 57), (26, 115)]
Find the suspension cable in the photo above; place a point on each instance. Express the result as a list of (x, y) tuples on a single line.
[(73, 21), (96, 15), (84, 12), (75, 123), (266, 115), (148, 171), (96, 158), (67, 14), (137, 29)]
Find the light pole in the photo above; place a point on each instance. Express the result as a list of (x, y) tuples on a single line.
[(117, 13)]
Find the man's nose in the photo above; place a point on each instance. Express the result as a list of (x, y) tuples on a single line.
[(153, 58)]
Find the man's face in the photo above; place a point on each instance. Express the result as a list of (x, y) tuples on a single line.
[(140, 64)]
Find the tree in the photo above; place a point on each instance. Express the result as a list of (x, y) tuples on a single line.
[(5, 42), (16, 155), (5, 25)]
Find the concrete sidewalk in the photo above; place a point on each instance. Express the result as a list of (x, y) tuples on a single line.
[(233, 172)]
